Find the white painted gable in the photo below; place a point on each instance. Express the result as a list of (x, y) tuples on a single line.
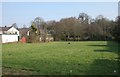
[(13, 30)]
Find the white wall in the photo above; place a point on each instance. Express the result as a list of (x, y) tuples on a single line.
[(6, 38), (12, 30)]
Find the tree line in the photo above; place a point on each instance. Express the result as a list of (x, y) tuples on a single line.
[(82, 28)]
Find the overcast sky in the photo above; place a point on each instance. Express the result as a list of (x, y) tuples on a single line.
[(23, 13)]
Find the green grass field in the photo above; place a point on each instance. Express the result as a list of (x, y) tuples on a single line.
[(61, 58)]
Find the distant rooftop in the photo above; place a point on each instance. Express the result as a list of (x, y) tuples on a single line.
[(5, 28)]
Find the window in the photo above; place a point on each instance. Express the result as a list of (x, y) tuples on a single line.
[(15, 32)]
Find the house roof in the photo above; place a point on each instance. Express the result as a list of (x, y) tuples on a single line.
[(4, 28), (23, 31)]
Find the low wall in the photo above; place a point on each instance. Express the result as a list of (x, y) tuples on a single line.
[(6, 38)]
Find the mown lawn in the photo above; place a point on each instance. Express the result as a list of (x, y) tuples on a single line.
[(61, 58)]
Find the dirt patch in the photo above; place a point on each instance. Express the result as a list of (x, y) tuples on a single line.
[(11, 71)]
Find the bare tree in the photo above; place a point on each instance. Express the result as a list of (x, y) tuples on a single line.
[(14, 25), (84, 18)]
